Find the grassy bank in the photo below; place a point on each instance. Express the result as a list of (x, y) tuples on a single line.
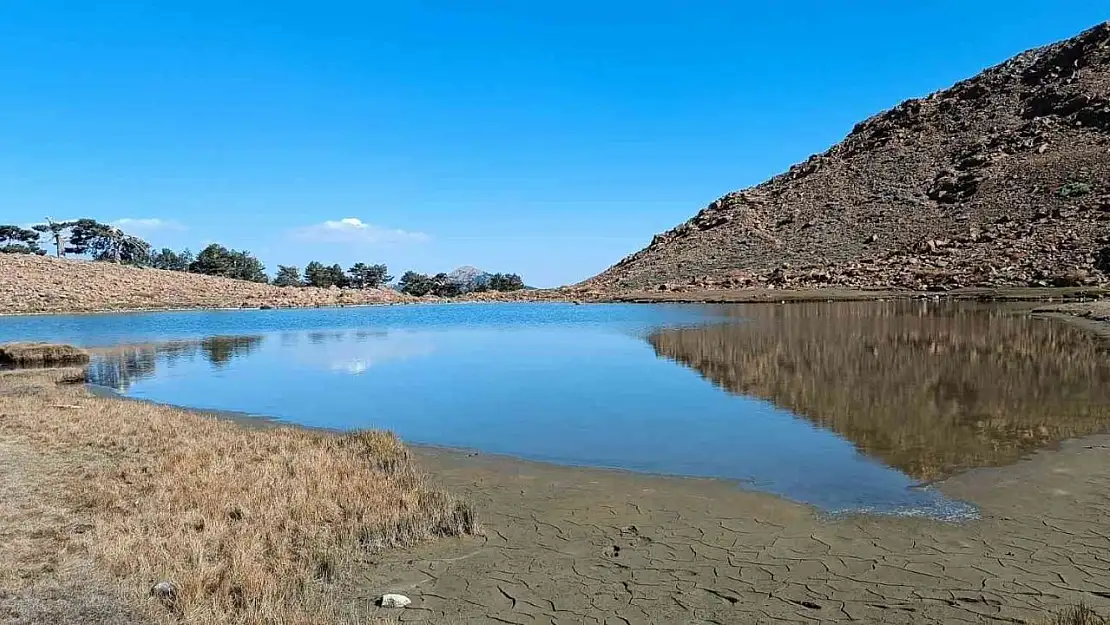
[(41, 355), (246, 525)]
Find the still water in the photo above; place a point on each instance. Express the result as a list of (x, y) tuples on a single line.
[(846, 406)]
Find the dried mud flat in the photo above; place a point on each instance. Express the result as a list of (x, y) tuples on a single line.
[(568, 545)]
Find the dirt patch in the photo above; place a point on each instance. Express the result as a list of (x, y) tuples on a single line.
[(45, 576)]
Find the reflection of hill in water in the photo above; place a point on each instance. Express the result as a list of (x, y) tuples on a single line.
[(927, 390), (120, 367)]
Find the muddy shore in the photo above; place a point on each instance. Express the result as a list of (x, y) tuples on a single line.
[(571, 545), (576, 545)]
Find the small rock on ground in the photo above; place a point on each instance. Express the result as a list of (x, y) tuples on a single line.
[(394, 601)]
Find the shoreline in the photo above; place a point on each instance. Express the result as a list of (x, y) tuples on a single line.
[(1099, 327), (102, 498), (585, 529), (566, 544), (578, 295), (706, 549)]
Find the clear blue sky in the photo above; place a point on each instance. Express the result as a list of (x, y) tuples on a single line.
[(546, 138)]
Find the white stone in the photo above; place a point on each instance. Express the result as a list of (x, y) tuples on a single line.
[(166, 592), (395, 601)]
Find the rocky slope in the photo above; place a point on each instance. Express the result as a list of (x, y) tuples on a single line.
[(1000, 180), (35, 284)]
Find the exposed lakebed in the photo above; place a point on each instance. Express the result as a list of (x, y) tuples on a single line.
[(851, 406)]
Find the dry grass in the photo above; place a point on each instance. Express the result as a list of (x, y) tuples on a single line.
[(41, 354), (43, 284), (250, 525), (1076, 615)]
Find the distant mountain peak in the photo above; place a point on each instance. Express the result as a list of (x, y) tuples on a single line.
[(469, 277)]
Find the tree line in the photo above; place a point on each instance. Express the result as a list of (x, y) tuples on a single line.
[(419, 284), (105, 242)]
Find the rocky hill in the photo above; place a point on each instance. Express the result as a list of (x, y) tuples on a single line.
[(34, 284), (470, 278), (1001, 180)]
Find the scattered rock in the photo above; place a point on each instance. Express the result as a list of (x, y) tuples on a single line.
[(394, 601), (166, 593), (1102, 260), (1071, 278)]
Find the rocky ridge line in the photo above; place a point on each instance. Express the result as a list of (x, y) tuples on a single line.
[(998, 181)]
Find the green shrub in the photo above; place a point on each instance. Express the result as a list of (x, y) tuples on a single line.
[(1074, 189)]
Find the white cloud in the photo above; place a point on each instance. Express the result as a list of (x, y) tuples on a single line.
[(344, 352), (141, 225), (354, 230)]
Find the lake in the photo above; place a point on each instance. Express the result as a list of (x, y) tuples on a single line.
[(850, 407)]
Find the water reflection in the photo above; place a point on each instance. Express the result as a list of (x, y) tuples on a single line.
[(845, 406), (928, 389), (121, 367), (357, 352)]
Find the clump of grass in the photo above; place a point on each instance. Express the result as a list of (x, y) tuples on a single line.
[(41, 355), (1074, 189), (1079, 614), (249, 525)]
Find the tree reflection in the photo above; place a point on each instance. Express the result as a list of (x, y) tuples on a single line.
[(121, 367), (929, 389)]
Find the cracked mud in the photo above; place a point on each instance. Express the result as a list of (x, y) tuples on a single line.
[(569, 545)]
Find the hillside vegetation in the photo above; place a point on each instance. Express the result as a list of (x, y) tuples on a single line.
[(33, 284), (1002, 180)]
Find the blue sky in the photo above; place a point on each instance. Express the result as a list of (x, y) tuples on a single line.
[(546, 138)]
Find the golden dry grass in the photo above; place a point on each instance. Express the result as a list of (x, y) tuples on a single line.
[(251, 525), (41, 354), (43, 284), (1076, 615)]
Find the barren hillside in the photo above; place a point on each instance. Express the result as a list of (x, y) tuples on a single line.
[(1000, 180), (31, 284)]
